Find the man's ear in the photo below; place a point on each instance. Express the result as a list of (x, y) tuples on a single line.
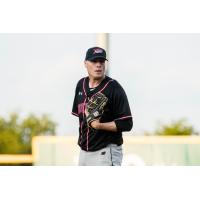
[(85, 63)]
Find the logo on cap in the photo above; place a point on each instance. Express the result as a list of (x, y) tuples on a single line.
[(97, 51)]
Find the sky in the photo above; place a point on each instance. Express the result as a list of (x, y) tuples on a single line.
[(159, 72)]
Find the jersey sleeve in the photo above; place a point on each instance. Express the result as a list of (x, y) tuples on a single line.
[(75, 103), (121, 110)]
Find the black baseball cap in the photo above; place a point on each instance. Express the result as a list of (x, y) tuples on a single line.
[(94, 53)]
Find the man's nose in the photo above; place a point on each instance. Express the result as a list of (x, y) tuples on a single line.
[(98, 64)]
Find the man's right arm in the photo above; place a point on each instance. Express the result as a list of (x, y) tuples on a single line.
[(75, 103)]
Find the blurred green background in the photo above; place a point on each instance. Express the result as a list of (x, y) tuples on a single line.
[(34, 137), (16, 134)]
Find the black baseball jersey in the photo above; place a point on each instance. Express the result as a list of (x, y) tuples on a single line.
[(117, 109)]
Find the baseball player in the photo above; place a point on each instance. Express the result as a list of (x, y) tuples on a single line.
[(103, 110)]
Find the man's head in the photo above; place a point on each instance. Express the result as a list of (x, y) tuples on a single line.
[(95, 62)]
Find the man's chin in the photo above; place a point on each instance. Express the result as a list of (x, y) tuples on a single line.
[(97, 77)]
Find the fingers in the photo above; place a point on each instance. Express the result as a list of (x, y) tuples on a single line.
[(86, 112)]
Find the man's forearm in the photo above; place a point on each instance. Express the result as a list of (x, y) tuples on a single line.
[(114, 126), (107, 126)]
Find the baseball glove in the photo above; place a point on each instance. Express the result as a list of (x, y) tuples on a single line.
[(95, 107)]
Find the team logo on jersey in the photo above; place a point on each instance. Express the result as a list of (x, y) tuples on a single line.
[(81, 108), (97, 51)]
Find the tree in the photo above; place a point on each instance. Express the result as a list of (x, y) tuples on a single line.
[(179, 127), (16, 135)]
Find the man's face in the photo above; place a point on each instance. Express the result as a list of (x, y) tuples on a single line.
[(95, 68)]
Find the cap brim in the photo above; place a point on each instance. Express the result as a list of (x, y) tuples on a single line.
[(95, 57)]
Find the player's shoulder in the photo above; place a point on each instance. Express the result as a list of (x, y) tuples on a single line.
[(115, 84), (117, 88), (80, 82)]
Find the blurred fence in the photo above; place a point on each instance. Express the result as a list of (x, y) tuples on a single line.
[(145, 150), (12, 159), (138, 151)]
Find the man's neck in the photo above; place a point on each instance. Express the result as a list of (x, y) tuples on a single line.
[(95, 82)]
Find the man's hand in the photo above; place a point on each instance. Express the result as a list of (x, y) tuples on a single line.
[(95, 124)]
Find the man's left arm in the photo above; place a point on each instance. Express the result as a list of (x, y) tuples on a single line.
[(107, 126), (122, 114), (114, 126)]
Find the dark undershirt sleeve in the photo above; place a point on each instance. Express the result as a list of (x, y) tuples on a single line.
[(121, 109), (75, 103)]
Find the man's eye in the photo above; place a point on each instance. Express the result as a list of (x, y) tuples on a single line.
[(101, 61)]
